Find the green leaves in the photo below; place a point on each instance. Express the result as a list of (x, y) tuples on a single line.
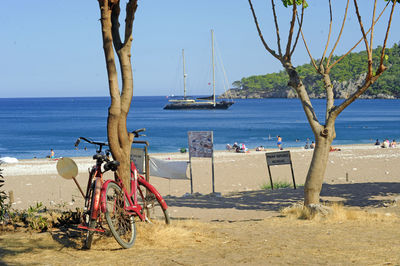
[(349, 68), (398, 1), (287, 3)]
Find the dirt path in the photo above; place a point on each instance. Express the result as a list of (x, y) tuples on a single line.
[(271, 241)]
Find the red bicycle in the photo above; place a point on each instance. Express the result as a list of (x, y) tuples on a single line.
[(111, 199)]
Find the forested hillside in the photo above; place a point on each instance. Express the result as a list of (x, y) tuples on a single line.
[(345, 77)]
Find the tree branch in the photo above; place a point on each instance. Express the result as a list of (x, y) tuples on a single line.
[(115, 26), (300, 26), (343, 56), (354, 96), (308, 50), (329, 35), (131, 8), (372, 28), (369, 75), (339, 36), (295, 82), (278, 37), (272, 52), (386, 37), (290, 37), (126, 65)]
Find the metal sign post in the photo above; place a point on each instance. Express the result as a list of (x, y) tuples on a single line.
[(201, 145), (279, 158)]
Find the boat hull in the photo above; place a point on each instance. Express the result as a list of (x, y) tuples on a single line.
[(179, 106)]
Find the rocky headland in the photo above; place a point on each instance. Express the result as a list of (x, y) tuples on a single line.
[(341, 90)]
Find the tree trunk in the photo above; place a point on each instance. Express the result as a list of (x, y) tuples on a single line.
[(119, 139), (316, 172), (324, 136)]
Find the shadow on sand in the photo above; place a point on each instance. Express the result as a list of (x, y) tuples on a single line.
[(358, 195)]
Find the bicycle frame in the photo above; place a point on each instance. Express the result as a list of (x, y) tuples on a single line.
[(129, 205), (95, 173), (97, 193)]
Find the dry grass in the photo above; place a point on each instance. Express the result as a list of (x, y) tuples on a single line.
[(179, 234), (176, 235), (335, 212)]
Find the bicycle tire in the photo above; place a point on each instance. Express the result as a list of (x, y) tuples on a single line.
[(91, 223), (152, 206), (89, 235), (121, 224)]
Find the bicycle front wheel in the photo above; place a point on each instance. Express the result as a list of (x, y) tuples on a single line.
[(122, 224), (151, 206)]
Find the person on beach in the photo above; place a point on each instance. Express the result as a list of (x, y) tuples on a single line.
[(393, 144), (279, 143), (52, 155), (385, 144), (334, 149), (306, 146), (243, 147), (235, 146), (260, 148), (312, 145), (377, 142), (228, 147)]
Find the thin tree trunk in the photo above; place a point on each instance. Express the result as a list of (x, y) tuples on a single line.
[(316, 172)]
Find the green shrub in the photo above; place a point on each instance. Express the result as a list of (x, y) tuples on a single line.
[(277, 185), (4, 206), (33, 219)]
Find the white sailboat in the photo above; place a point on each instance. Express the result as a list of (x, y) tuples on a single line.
[(201, 103)]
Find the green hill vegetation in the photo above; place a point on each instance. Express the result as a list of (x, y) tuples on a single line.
[(350, 68)]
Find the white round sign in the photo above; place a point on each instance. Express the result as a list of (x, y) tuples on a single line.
[(67, 168)]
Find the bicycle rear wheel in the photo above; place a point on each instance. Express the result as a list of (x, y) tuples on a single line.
[(122, 224), (151, 206), (91, 223)]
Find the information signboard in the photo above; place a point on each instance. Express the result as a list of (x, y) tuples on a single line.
[(279, 158), (200, 143)]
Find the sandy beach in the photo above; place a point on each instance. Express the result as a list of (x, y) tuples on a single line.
[(37, 180), (243, 221)]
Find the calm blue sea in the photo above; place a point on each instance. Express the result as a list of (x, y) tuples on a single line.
[(30, 127)]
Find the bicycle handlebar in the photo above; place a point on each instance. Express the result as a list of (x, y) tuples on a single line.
[(137, 131), (90, 141)]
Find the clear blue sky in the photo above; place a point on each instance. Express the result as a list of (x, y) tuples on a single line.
[(54, 48)]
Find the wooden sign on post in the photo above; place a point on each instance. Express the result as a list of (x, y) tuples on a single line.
[(279, 158), (201, 145)]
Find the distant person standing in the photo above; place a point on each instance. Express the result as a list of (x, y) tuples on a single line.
[(312, 145), (279, 142), (52, 155), (393, 144)]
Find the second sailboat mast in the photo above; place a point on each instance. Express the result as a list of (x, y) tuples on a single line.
[(184, 74), (213, 65)]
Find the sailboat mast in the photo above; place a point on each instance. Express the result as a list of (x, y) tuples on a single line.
[(213, 64), (184, 74)]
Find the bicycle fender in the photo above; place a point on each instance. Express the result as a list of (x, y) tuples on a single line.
[(103, 195), (154, 191)]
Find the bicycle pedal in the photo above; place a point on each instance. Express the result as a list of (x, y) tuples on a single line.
[(84, 227)]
